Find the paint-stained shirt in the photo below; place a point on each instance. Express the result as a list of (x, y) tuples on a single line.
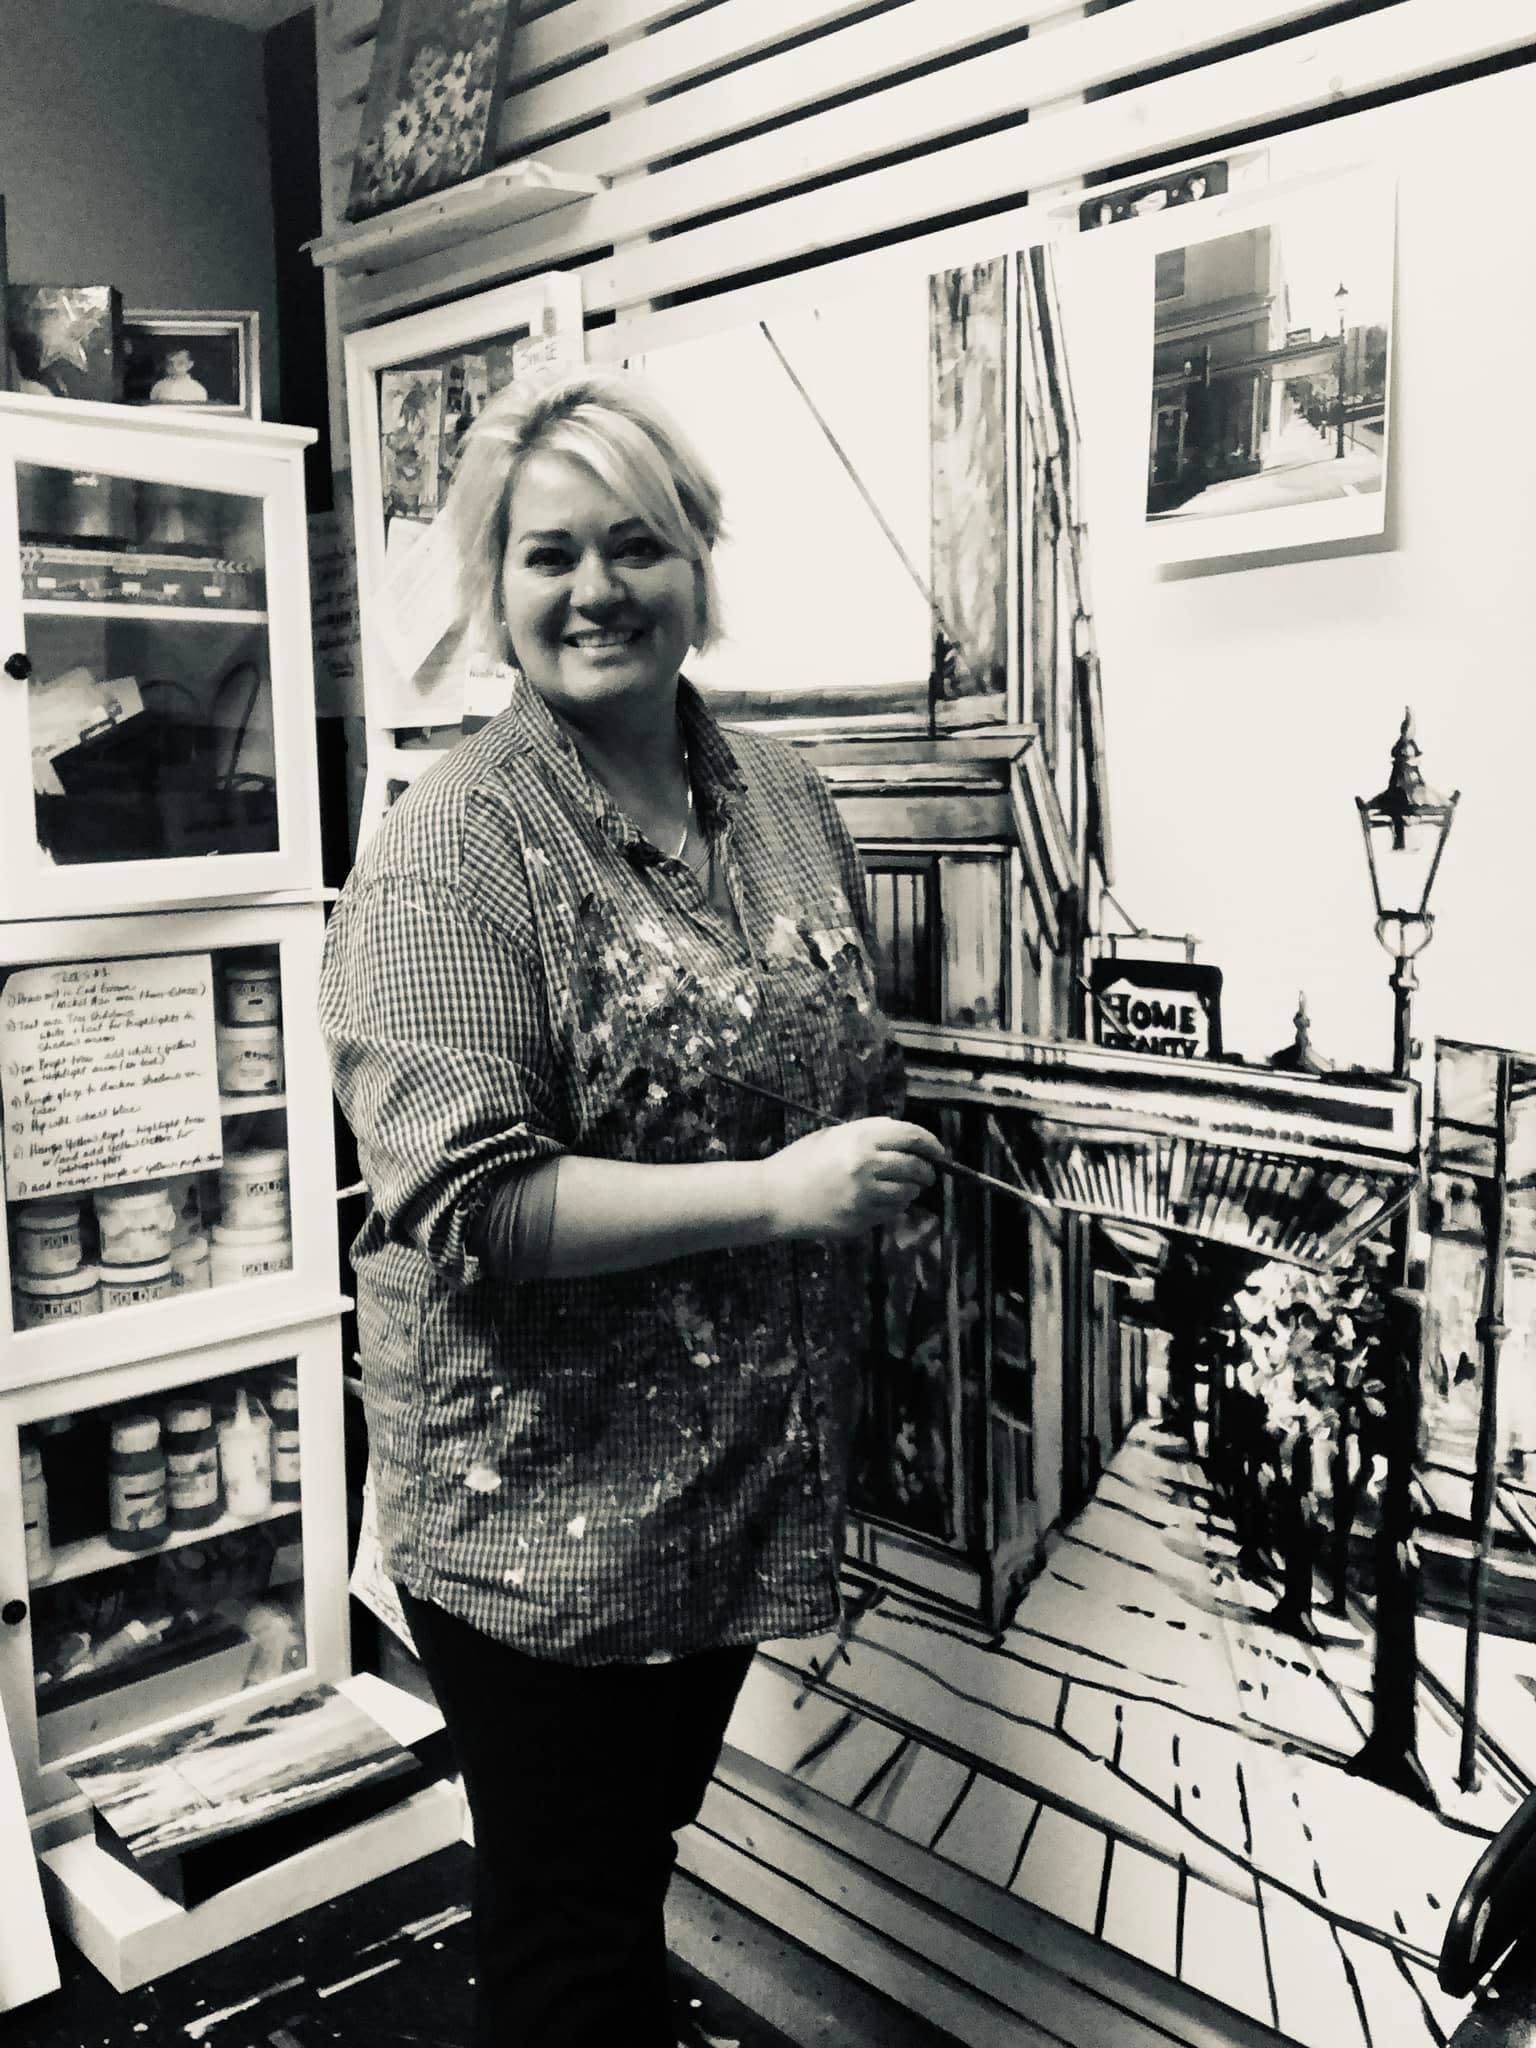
[(641, 1464)]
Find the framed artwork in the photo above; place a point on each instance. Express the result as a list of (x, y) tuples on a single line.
[(206, 360), (66, 340), (1245, 365), (434, 95), (414, 388)]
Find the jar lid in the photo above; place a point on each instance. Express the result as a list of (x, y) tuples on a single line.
[(136, 1433), (182, 1416), (249, 970), (259, 1160), (47, 1215), (143, 1194), (239, 1031), (272, 1233), (137, 1274), (79, 1280)]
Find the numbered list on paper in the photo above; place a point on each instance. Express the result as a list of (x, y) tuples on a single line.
[(108, 1073)]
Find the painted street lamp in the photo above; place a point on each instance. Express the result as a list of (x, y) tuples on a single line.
[(1341, 301), (1405, 827)]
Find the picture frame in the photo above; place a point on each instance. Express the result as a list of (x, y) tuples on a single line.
[(207, 362), (417, 671)]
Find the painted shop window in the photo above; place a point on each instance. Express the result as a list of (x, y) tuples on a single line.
[(902, 894)]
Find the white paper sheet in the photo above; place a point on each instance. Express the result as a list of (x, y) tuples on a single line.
[(108, 1073)]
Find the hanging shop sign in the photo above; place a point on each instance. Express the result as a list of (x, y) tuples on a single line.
[(1168, 1007)]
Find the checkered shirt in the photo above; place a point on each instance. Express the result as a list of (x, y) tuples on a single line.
[(642, 1464)]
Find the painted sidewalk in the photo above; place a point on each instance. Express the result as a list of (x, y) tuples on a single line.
[(1142, 1755)]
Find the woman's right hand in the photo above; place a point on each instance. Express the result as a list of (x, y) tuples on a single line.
[(849, 1179)]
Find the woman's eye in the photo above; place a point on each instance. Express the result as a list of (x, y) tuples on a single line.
[(547, 558), (641, 547)]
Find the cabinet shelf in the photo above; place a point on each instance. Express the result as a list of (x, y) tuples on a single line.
[(250, 1105), (96, 1554), (105, 608)]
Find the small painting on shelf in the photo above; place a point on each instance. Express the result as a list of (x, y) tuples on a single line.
[(434, 95)]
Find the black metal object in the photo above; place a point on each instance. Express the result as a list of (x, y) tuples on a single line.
[(1488, 1933), (18, 666)]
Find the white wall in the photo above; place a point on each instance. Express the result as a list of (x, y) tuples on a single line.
[(1247, 706), (134, 152)]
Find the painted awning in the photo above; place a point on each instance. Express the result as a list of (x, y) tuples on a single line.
[(1288, 1166)]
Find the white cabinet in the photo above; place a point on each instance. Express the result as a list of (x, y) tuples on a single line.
[(169, 1269), (157, 738)]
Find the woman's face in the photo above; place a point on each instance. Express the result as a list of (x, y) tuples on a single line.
[(597, 607)]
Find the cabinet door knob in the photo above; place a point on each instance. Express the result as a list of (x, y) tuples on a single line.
[(13, 1613), (19, 666)]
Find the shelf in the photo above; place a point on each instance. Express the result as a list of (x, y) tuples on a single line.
[(107, 608), (96, 1554), (497, 199), (250, 1105)]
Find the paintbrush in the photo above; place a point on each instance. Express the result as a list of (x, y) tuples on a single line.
[(945, 1165)]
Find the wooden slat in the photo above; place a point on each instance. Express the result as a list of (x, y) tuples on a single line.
[(673, 55), (344, 22), (852, 60), (1415, 39)]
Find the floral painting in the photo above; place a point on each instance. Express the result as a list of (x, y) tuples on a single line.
[(434, 94)]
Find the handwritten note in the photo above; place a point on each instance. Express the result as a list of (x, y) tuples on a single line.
[(107, 1073)]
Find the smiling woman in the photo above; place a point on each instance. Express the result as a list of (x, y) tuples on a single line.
[(609, 1304)]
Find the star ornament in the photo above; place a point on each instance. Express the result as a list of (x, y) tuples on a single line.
[(66, 321)]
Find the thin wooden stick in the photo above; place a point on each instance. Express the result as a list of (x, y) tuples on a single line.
[(945, 1165)]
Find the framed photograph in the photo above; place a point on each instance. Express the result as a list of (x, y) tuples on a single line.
[(209, 361)]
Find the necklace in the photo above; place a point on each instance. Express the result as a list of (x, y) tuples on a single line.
[(691, 816)]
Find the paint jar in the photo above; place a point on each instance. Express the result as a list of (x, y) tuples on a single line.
[(34, 1514), (48, 1237), (284, 1399), (189, 1264), (250, 1058), (136, 1504), (253, 1189), (42, 1298), (192, 1465), (252, 991), (245, 1458), (247, 1254), (135, 1223), (132, 1286)]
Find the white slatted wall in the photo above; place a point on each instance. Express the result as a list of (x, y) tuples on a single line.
[(748, 134)]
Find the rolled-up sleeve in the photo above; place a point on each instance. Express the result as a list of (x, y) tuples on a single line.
[(435, 1021)]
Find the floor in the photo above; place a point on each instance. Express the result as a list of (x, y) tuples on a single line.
[(1141, 1755), (389, 1967)]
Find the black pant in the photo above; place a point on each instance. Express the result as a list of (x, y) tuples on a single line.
[(577, 1778)]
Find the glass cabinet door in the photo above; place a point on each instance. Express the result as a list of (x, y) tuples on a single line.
[(152, 676), (171, 1538)]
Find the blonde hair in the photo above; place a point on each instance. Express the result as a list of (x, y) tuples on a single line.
[(617, 430)]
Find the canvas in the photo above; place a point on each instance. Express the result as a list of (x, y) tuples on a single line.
[(1179, 1437), (434, 95)]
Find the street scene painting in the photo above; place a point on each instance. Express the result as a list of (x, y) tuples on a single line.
[(1190, 1646)]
